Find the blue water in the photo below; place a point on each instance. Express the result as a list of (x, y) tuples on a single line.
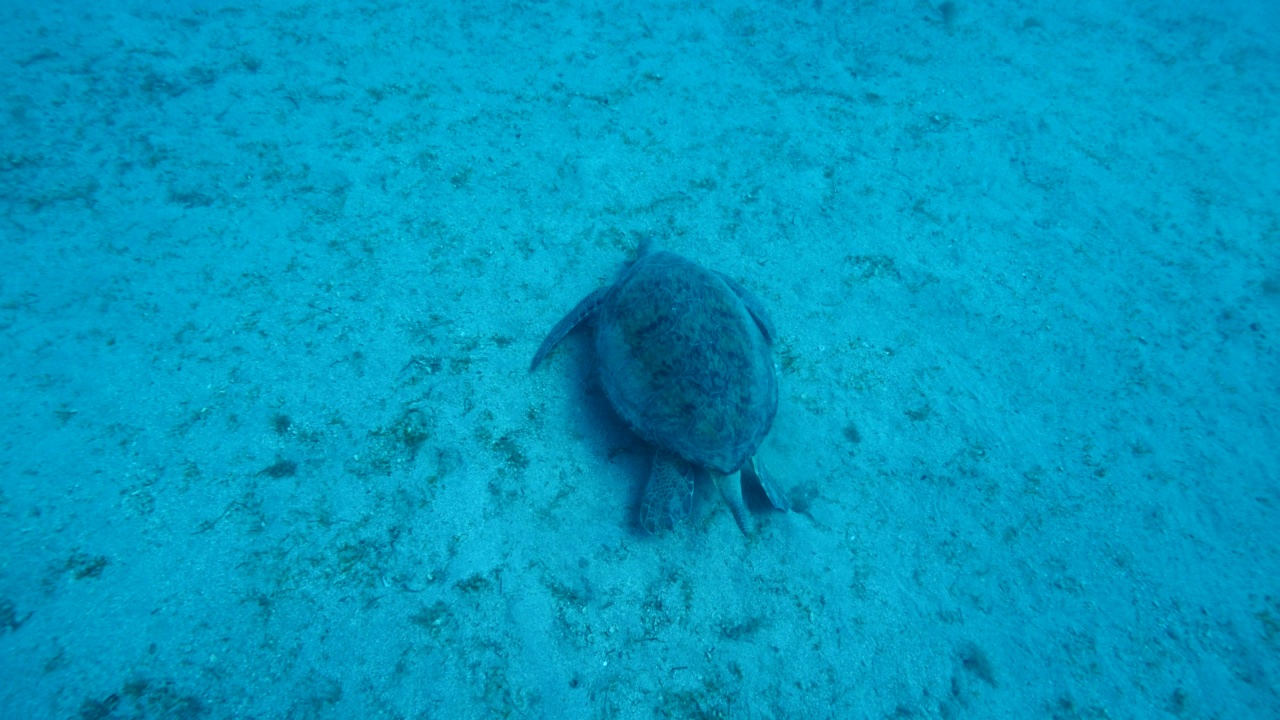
[(271, 276)]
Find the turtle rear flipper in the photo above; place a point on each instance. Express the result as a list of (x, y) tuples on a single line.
[(668, 496), (772, 490), (580, 312), (731, 490)]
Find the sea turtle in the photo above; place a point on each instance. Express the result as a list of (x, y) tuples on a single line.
[(685, 358)]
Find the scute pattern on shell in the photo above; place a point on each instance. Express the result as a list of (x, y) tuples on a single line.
[(685, 364)]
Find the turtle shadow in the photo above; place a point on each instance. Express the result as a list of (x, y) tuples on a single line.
[(606, 433), (757, 501)]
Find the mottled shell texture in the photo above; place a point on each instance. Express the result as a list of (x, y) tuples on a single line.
[(685, 364)]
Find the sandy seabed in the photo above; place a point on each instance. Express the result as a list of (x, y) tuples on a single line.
[(273, 274)]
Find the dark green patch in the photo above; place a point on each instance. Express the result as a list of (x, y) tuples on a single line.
[(420, 367), (357, 559), (919, 414), (709, 702), (948, 12), (384, 91), (802, 497), (9, 616), (534, 415), (432, 617), (968, 459), (788, 358), (866, 267), (475, 583), (281, 423), (99, 709), (142, 698), (83, 565), (201, 75), (566, 594), (264, 603), (976, 663), (64, 193), (851, 434), (401, 440), (154, 83), (41, 56), (412, 429), (280, 469), (162, 699), (612, 238), (1065, 708), (190, 198), (510, 452), (1269, 617), (483, 432), (737, 631), (1177, 702)]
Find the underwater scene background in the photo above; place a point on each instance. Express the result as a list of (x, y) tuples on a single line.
[(272, 274)]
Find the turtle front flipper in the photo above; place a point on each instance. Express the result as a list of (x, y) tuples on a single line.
[(668, 496), (580, 312)]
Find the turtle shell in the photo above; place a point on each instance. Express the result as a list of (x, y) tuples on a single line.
[(685, 364)]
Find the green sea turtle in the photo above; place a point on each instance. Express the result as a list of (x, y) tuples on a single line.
[(685, 357)]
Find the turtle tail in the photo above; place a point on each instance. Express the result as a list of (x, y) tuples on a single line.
[(731, 489)]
